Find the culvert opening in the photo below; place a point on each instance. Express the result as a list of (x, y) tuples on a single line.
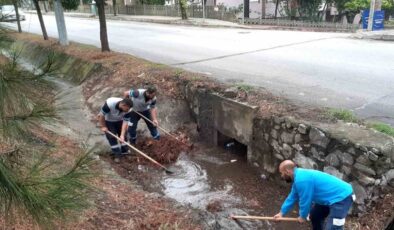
[(232, 145)]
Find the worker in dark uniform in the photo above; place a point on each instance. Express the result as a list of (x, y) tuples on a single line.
[(113, 114), (144, 102)]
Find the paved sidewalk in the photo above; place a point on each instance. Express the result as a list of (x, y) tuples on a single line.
[(385, 35)]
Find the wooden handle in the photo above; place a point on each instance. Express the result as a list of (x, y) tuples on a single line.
[(138, 151), (164, 130), (264, 218)]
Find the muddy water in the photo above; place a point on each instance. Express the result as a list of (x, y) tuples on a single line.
[(211, 175), (213, 181)]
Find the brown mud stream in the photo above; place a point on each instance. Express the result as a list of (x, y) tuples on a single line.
[(213, 181)]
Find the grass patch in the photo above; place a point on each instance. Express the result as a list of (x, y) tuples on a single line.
[(244, 87), (157, 65), (383, 128), (343, 114), (178, 72)]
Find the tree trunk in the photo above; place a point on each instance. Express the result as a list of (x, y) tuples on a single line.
[(263, 3), (61, 24), (39, 14), (103, 26), (246, 9), (182, 6), (18, 21), (114, 6), (276, 8), (45, 7)]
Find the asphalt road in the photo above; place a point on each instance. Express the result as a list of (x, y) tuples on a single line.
[(323, 69)]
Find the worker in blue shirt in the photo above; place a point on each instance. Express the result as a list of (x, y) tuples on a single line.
[(319, 195)]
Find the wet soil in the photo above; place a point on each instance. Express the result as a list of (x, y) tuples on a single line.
[(214, 181)]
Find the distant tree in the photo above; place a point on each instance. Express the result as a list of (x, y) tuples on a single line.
[(183, 7), (40, 18), (18, 21), (114, 6), (152, 2)]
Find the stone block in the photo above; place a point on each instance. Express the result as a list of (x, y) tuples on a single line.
[(360, 192), (297, 147), (305, 162), (375, 150), (231, 92), (278, 156), (287, 151), (372, 156), (289, 123), (364, 180), (346, 170), (390, 177), (287, 137), (351, 150), (332, 159), (333, 171), (303, 129), (363, 160), (317, 137), (365, 169), (274, 134), (300, 138), (279, 120), (345, 158), (266, 137)]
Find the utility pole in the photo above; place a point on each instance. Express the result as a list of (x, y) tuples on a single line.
[(61, 24), (376, 5), (203, 9)]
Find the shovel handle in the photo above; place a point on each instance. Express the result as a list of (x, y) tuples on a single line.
[(161, 128), (138, 151), (264, 218)]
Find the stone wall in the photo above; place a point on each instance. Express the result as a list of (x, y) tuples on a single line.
[(348, 151), (354, 153)]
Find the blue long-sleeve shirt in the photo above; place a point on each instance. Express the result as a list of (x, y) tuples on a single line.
[(312, 186)]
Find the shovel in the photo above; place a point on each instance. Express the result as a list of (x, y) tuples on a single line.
[(141, 153), (263, 218)]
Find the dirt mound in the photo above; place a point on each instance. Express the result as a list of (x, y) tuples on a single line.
[(379, 216), (165, 151)]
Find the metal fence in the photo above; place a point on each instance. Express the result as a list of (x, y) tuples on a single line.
[(305, 24), (193, 11)]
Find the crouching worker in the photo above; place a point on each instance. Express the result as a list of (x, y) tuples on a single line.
[(111, 118), (144, 103), (319, 195)]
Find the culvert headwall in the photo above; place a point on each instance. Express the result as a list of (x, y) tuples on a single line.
[(354, 153)]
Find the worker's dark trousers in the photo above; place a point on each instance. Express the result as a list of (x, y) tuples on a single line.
[(336, 214), (115, 127), (134, 118)]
